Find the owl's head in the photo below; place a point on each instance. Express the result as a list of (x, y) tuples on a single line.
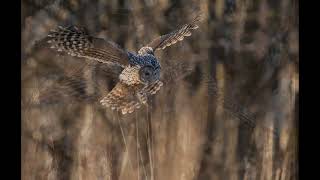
[(149, 74)]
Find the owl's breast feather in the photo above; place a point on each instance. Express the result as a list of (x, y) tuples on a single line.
[(130, 75)]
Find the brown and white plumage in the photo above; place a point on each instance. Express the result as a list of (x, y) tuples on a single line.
[(77, 42), (130, 92), (140, 75), (126, 98), (175, 36)]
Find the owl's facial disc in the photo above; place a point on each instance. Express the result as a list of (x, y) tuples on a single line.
[(148, 74)]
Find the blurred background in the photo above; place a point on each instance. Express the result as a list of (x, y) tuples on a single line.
[(228, 108)]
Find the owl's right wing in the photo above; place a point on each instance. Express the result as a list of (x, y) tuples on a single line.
[(66, 90), (73, 87), (77, 42)]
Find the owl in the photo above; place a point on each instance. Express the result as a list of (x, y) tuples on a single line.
[(140, 75)]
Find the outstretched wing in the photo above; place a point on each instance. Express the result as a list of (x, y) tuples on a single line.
[(178, 35), (67, 90), (127, 98), (77, 42), (71, 87)]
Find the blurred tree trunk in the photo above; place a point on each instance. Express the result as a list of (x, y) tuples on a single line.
[(206, 165)]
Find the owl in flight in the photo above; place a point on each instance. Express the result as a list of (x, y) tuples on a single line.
[(140, 76)]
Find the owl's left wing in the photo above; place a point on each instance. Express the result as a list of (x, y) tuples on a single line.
[(171, 38), (127, 98), (75, 41)]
